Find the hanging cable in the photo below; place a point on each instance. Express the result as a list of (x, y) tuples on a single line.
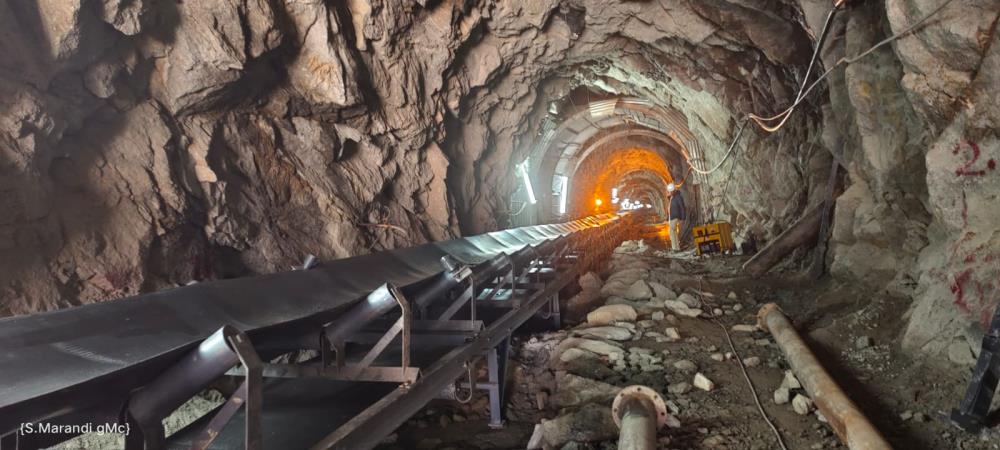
[(787, 113), (784, 115), (732, 148), (842, 61)]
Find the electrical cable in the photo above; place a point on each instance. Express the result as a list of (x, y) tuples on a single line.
[(523, 205), (787, 113), (732, 148), (849, 60), (739, 360), (784, 115)]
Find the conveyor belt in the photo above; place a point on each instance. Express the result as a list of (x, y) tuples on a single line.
[(85, 360)]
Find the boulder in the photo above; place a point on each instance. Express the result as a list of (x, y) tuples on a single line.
[(790, 382), (639, 291), (608, 314), (573, 390), (662, 292), (590, 345), (689, 300), (802, 405), (611, 333), (639, 307), (702, 382), (782, 396), (681, 308), (592, 422), (590, 282), (580, 304), (573, 354)]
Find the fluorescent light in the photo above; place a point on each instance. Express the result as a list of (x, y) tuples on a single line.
[(563, 193), (527, 184)]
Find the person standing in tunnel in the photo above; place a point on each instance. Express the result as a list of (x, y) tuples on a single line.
[(676, 216)]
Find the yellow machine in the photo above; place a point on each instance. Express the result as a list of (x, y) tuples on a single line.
[(715, 237)]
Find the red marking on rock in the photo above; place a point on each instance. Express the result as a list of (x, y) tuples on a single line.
[(965, 211), (967, 170), (958, 289)]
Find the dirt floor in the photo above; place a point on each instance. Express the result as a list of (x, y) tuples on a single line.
[(854, 333)]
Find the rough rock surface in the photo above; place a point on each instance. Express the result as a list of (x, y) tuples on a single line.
[(146, 144)]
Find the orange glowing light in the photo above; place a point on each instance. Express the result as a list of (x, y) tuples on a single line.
[(598, 202)]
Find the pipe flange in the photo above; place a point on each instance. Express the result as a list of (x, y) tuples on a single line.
[(647, 394)]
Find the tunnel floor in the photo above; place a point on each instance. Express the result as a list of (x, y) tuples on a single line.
[(569, 390)]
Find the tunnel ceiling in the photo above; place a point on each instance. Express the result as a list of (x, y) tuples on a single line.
[(145, 144)]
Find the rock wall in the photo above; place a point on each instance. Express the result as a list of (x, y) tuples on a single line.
[(917, 124), (147, 143)]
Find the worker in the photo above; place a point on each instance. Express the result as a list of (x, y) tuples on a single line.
[(676, 216)]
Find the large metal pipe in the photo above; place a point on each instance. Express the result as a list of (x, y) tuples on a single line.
[(841, 413), (639, 412)]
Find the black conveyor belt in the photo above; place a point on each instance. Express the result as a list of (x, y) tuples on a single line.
[(64, 361)]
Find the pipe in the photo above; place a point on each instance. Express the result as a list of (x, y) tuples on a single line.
[(802, 232), (639, 412), (843, 415)]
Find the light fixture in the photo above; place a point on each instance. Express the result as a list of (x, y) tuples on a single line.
[(563, 193), (527, 183), (598, 202), (671, 187)]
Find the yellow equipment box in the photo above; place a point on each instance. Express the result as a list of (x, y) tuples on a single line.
[(715, 237)]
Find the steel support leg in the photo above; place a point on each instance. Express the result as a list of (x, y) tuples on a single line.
[(972, 414), (556, 317), (496, 361)]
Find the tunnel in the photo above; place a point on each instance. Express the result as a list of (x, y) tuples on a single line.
[(493, 224)]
